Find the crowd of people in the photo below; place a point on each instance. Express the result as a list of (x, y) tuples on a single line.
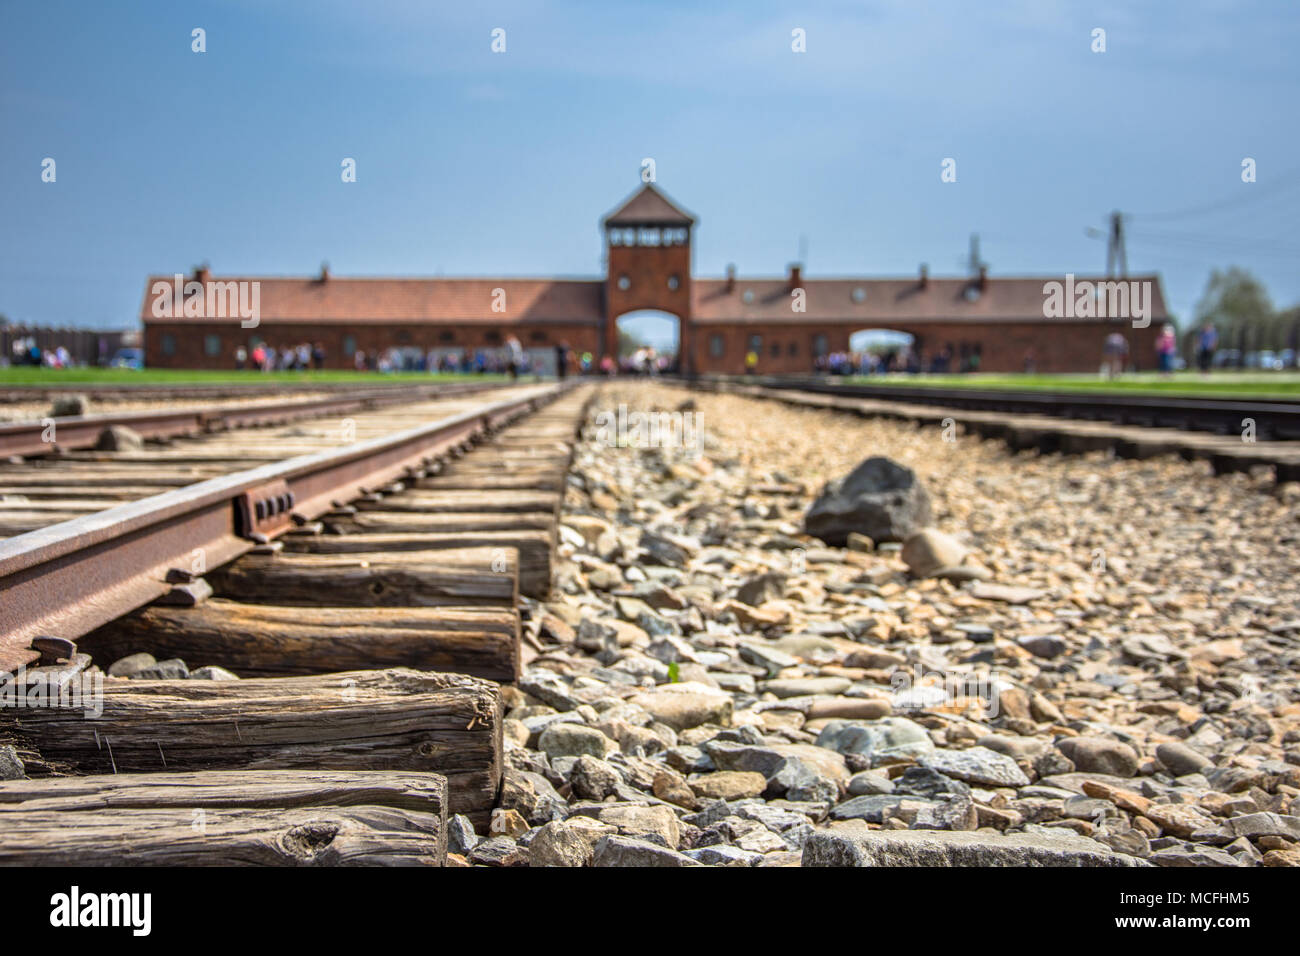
[(509, 359), (1115, 357), (269, 358), (904, 359), (25, 351)]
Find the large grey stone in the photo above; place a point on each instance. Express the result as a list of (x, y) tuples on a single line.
[(461, 837), (814, 773), (574, 740), (625, 851), (879, 498), (855, 845), (872, 807), (887, 737), (1180, 759), (1100, 755), (11, 767), (569, 842), (977, 765)]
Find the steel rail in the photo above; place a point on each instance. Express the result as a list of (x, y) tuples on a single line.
[(252, 387), (1273, 419), (67, 579), (51, 435)]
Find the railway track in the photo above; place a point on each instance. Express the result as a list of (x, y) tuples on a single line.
[(365, 593), (252, 388), (56, 435), (1274, 420), (1231, 435)]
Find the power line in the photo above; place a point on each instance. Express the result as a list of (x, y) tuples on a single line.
[(1284, 182)]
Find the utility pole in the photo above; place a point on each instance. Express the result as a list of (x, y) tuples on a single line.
[(973, 260), (1115, 250)]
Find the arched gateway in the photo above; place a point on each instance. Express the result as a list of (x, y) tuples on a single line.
[(648, 252), (786, 322)]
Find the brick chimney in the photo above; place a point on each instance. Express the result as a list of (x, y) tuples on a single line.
[(984, 277), (324, 272), (731, 277), (924, 279), (795, 277), (202, 273)]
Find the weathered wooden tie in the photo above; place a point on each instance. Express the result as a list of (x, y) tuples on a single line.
[(471, 576), (260, 640), (532, 545), (397, 719), (226, 818)]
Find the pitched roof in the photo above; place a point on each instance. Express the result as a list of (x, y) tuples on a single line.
[(415, 300), (648, 207), (885, 300)]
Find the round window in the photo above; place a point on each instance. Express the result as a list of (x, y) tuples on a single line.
[(859, 294), (673, 283), (624, 283), (748, 296)]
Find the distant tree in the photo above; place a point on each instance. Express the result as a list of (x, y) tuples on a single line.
[(1238, 305), (628, 342), (1288, 328)]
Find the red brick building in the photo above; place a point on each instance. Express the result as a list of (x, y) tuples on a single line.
[(787, 321)]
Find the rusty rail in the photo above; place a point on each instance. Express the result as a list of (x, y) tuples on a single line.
[(51, 435), (69, 578)]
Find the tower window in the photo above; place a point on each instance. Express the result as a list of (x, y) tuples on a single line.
[(615, 237), (648, 237)]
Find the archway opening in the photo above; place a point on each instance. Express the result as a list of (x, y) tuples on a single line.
[(877, 352), (649, 342)]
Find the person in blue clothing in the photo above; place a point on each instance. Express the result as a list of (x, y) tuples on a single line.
[(1206, 342)]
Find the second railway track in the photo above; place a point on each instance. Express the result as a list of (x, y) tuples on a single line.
[(366, 596), (1230, 435)]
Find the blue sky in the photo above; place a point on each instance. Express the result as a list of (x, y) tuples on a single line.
[(474, 163)]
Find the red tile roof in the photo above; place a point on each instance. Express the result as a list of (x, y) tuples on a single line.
[(885, 300), (415, 300), (582, 300), (648, 207)]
